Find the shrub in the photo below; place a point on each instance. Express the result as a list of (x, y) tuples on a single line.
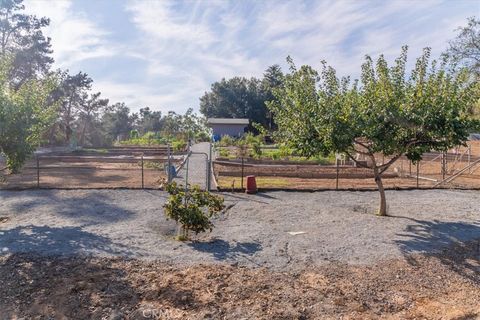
[(203, 137), (285, 151), (149, 135), (257, 150), (134, 134), (192, 209), (223, 152), (226, 141), (179, 145)]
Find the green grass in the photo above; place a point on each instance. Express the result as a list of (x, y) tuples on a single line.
[(276, 154), (262, 182)]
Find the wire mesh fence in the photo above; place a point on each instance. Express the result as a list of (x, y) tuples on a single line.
[(457, 168), (96, 168)]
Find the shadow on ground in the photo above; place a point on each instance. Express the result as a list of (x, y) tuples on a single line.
[(223, 250), (455, 244), (91, 208), (58, 241)]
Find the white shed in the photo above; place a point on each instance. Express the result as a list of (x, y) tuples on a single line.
[(234, 127)]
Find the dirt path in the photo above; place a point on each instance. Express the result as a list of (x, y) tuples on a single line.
[(277, 255)]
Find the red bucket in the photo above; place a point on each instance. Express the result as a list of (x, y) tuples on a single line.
[(251, 185)]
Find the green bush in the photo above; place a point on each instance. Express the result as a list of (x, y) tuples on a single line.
[(148, 139), (149, 136), (203, 137), (192, 209), (224, 153), (285, 151), (226, 141), (257, 150), (134, 134), (179, 145)]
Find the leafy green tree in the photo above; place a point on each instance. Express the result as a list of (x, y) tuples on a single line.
[(172, 124), (235, 98), (242, 98), (21, 36), (25, 113), (72, 97), (149, 120), (193, 126), (88, 118), (465, 48), (385, 114), (272, 80), (192, 208), (117, 122)]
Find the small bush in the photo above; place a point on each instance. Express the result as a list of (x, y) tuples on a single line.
[(192, 209), (224, 153), (203, 137), (134, 134), (179, 145), (226, 141)]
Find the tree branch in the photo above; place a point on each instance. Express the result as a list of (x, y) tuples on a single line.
[(360, 164), (384, 167)]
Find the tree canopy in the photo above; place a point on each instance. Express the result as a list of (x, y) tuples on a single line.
[(25, 113), (387, 112), (465, 48), (240, 97), (22, 38)]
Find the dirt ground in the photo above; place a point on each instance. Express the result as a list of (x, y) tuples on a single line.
[(445, 286), (110, 254), (271, 178), (85, 175)]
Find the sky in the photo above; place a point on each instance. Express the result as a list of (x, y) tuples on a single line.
[(166, 54)]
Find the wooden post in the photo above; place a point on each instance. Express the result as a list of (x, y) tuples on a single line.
[(209, 170), (444, 159), (241, 184), (336, 185), (169, 163), (418, 172), (38, 172), (142, 173)]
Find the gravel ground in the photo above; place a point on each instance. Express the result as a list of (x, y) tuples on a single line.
[(277, 230)]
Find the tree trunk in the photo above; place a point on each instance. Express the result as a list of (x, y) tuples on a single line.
[(382, 210), (82, 139)]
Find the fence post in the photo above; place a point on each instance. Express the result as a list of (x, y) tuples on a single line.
[(336, 185), (186, 173), (418, 172), (209, 170), (142, 173), (169, 164), (469, 157), (38, 172), (241, 185), (444, 162)]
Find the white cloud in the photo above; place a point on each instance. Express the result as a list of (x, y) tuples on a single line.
[(74, 36), (139, 95), (181, 47), (159, 20)]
